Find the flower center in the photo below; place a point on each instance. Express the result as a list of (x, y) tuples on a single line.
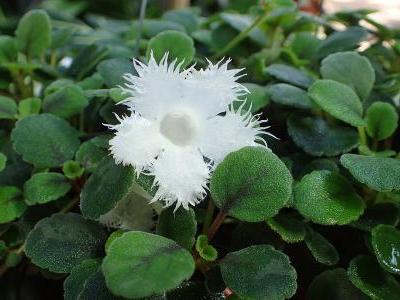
[(178, 127)]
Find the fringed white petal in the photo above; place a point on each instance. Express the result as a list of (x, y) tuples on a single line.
[(137, 142), (181, 176), (224, 134), (211, 90), (156, 87)]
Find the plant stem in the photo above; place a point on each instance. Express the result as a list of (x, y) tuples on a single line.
[(362, 136), (242, 35), (216, 224), (140, 26), (53, 58), (208, 217), (69, 205)]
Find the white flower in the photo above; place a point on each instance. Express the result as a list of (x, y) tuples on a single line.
[(182, 123)]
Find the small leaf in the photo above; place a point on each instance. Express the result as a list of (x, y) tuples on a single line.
[(72, 169), (251, 184), (45, 187), (33, 33), (322, 250), (8, 108), (90, 153), (290, 229), (106, 186), (140, 264), (177, 44), (319, 138), (112, 71), (62, 241), (179, 226), (351, 69), (54, 141), (257, 99), (29, 106), (382, 120), (327, 198), (380, 213), (205, 250), (290, 95), (66, 102), (386, 244), (11, 204), (366, 274), (338, 100), (74, 283), (95, 288), (290, 75), (379, 173), (259, 272), (8, 49), (333, 285)]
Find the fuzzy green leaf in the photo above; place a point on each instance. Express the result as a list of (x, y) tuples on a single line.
[(290, 229), (380, 213), (140, 264), (112, 71), (11, 204), (251, 184), (72, 169), (382, 120), (322, 250), (290, 95), (338, 100), (259, 272), (327, 198), (290, 75), (29, 106), (386, 244)]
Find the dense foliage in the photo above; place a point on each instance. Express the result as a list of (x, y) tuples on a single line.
[(316, 218)]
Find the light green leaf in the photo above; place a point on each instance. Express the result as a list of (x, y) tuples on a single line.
[(54, 141), (72, 169), (382, 120), (3, 161), (8, 49), (62, 241), (366, 274), (29, 106), (45, 187), (379, 173), (351, 69), (179, 226), (177, 44), (290, 75), (259, 272), (290, 95), (338, 100), (8, 108), (11, 204), (140, 264), (385, 240), (33, 33), (327, 198), (319, 138), (251, 184)]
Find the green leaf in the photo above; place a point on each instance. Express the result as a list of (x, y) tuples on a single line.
[(257, 99), (33, 33), (188, 18), (205, 250), (366, 274), (66, 102), (112, 71), (251, 184), (351, 69), (3, 161), (57, 85), (380, 213), (259, 272), (290, 75), (338, 100), (322, 250), (179, 226), (29, 106), (382, 120), (91, 152), (45, 187), (95, 288), (386, 244), (11, 204), (290, 229), (327, 198), (177, 44), (8, 49), (290, 95), (117, 94), (106, 186), (333, 285), (54, 141), (341, 41), (318, 137), (140, 264), (379, 173), (72, 169), (8, 108), (74, 283), (62, 241)]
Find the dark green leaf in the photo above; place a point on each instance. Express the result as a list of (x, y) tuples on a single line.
[(386, 244), (3, 161), (290, 75), (95, 288), (290, 95), (8, 108), (112, 71), (322, 250), (380, 213), (90, 153), (257, 99), (290, 229)]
